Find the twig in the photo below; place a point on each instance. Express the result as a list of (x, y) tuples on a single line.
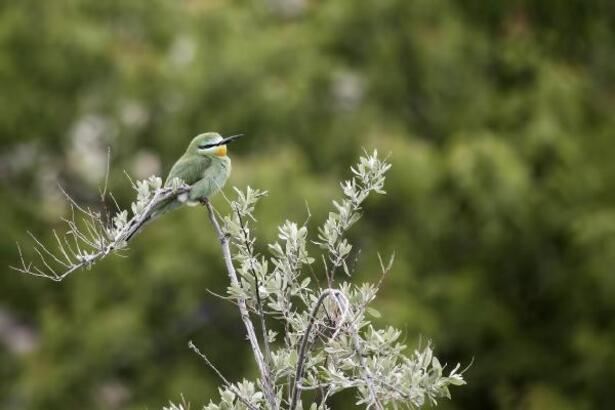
[(245, 316), (221, 376), (90, 243), (103, 192), (329, 277)]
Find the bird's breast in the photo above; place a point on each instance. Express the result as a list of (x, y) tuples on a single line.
[(221, 172)]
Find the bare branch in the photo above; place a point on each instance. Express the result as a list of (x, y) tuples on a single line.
[(103, 192), (221, 376), (41, 246), (92, 238)]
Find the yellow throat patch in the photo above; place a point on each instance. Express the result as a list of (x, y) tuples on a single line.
[(221, 151)]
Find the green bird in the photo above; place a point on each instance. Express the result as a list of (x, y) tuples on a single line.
[(204, 166)]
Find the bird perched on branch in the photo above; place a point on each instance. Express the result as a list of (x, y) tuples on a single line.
[(204, 166)]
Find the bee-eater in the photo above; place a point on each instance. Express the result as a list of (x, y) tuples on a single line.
[(204, 166)]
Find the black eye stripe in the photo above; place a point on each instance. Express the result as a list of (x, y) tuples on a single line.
[(211, 145)]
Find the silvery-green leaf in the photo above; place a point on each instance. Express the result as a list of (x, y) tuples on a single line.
[(373, 312)]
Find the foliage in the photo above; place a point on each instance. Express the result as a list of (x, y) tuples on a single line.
[(328, 343), (327, 336), (498, 119)]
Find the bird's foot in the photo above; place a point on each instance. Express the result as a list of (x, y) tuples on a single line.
[(204, 201)]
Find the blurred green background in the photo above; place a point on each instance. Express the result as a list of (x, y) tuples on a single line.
[(501, 209)]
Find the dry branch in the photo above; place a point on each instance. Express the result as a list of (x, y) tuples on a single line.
[(88, 238)]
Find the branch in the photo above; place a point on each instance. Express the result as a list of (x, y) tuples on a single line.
[(88, 238), (369, 176), (221, 376), (259, 302), (344, 306), (367, 378), (296, 393), (245, 316)]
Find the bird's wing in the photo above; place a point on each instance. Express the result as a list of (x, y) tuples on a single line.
[(189, 169)]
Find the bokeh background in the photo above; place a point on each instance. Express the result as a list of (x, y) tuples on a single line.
[(498, 117)]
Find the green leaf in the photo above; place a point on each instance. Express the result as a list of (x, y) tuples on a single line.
[(373, 312)]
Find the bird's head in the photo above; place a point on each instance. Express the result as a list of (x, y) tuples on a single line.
[(211, 144)]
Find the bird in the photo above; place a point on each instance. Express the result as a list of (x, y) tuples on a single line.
[(205, 167)]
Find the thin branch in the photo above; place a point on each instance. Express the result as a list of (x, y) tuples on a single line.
[(61, 247), (266, 378), (259, 302), (296, 391), (367, 378), (92, 241), (117, 207), (192, 346), (103, 192), (385, 269), (132, 182), (44, 248), (72, 201), (221, 376), (225, 298), (344, 306)]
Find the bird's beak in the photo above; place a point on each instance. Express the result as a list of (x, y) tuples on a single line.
[(221, 150), (230, 139)]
